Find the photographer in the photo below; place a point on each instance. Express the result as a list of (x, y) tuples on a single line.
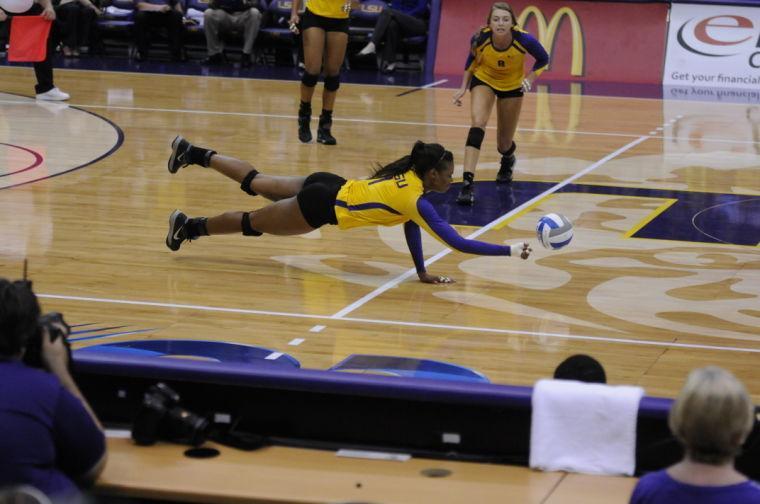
[(50, 437)]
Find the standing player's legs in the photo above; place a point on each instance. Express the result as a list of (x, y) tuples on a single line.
[(507, 116), (313, 49), (335, 53), (482, 99)]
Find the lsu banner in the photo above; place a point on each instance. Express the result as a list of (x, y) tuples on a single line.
[(713, 45), (586, 41)]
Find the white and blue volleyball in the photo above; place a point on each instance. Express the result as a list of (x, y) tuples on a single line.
[(554, 231)]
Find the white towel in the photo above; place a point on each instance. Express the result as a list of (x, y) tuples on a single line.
[(115, 11), (584, 427), (196, 15)]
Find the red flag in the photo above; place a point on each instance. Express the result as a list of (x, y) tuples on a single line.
[(28, 40)]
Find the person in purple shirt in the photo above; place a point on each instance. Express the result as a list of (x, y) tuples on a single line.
[(50, 438), (404, 18), (711, 418)]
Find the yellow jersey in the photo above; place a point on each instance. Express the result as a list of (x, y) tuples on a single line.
[(328, 8), (503, 69), (399, 200)]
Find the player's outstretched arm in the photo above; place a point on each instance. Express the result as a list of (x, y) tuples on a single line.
[(414, 242)]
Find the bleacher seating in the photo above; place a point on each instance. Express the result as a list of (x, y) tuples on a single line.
[(117, 21), (275, 29), (275, 37)]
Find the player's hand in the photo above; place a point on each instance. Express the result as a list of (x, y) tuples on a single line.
[(293, 23), (526, 85), (435, 279), (49, 13), (54, 354), (522, 249), (3, 16), (458, 97)]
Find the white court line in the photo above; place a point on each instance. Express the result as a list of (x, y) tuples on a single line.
[(462, 125), (443, 327), (434, 84), (393, 283), (296, 341), (317, 328)]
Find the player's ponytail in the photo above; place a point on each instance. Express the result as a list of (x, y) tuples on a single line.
[(422, 158)]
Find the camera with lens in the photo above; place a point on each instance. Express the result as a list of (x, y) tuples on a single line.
[(57, 328), (161, 417)]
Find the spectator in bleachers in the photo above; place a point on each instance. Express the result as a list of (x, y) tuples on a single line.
[(711, 418), (223, 16), (324, 29), (495, 75), (50, 437), (159, 13), (581, 367), (45, 88), (404, 18), (78, 22)]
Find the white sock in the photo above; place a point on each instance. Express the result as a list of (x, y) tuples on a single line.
[(368, 49)]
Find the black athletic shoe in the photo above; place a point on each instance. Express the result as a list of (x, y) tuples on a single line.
[(466, 195), (325, 137), (180, 154), (304, 131), (177, 233), (505, 170)]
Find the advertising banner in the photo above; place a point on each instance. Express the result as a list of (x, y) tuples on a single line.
[(587, 41), (713, 45)]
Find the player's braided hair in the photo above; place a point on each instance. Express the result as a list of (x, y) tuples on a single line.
[(424, 157), (19, 314)]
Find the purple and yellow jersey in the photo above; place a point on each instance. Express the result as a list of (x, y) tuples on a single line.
[(504, 69), (398, 200), (328, 8)]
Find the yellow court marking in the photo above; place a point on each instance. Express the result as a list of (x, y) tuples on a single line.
[(649, 218)]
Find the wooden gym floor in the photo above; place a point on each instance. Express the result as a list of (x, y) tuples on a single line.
[(663, 274)]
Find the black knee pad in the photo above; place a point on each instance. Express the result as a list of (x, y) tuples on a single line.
[(245, 185), (509, 151), (332, 82), (246, 225), (475, 138), (309, 80)]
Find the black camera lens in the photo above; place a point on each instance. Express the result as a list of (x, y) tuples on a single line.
[(161, 417)]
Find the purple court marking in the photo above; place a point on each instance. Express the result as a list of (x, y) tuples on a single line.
[(35, 164), (114, 148)]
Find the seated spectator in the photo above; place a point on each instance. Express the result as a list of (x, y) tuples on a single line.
[(224, 16), (162, 13), (77, 20), (404, 18), (711, 418), (50, 438), (581, 367)]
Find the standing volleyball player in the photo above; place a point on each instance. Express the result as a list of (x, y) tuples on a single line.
[(393, 195), (324, 30), (494, 73)]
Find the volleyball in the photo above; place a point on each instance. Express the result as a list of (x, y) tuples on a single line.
[(554, 231), (16, 6)]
